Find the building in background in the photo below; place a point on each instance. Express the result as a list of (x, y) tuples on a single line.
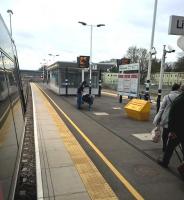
[(31, 75)]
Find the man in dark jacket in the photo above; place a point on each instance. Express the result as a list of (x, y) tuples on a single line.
[(176, 128), (79, 94)]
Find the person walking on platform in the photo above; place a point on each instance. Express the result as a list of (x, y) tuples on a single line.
[(175, 127), (161, 118), (79, 94)]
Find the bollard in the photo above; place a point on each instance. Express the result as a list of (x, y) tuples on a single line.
[(120, 98)]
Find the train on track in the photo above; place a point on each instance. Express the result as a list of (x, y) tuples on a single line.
[(12, 108), (10, 79)]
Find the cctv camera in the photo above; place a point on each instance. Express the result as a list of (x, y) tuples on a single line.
[(153, 51), (170, 48)]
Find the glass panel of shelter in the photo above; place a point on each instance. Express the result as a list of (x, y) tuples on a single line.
[(54, 77), (74, 77), (94, 78)]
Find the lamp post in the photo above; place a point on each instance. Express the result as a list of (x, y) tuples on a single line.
[(150, 54), (53, 56), (91, 43), (44, 65), (10, 13), (161, 75), (20, 88)]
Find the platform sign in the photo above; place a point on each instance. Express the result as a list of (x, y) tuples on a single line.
[(128, 80), (176, 25)]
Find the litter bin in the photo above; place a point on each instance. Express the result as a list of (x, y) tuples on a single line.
[(138, 109)]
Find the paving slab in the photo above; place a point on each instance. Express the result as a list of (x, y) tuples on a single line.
[(66, 180), (75, 196)]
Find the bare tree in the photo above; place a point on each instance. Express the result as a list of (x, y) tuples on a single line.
[(141, 56), (179, 64), (133, 54)]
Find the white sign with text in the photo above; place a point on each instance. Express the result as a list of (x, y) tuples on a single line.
[(128, 80), (176, 25)]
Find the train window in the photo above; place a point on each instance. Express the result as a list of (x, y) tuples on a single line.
[(94, 78), (13, 93), (8, 136), (2, 83)]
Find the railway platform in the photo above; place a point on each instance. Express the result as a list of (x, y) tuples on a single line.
[(64, 171), (98, 154)]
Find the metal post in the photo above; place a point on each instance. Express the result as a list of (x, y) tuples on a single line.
[(23, 102), (161, 79), (90, 63), (10, 13), (43, 73), (59, 80), (91, 42), (66, 82), (150, 54), (82, 75), (120, 98), (47, 75), (100, 83), (10, 26)]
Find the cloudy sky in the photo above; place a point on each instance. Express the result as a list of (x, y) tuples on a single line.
[(41, 27)]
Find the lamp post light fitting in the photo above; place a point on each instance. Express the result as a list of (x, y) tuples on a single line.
[(91, 38), (10, 12)]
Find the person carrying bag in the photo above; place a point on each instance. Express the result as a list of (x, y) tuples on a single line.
[(175, 127), (156, 134), (162, 117)]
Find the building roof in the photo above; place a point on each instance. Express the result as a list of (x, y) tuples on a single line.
[(64, 64)]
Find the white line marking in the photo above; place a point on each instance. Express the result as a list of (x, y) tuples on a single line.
[(37, 154), (109, 93), (116, 108), (100, 113), (143, 136)]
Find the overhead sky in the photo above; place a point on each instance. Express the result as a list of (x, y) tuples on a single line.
[(42, 27)]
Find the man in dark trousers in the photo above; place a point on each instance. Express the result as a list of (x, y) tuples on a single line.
[(79, 94), (176, 128)]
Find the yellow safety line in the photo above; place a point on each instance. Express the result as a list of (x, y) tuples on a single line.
[(111, 94), (96, 186), (129, 187)]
